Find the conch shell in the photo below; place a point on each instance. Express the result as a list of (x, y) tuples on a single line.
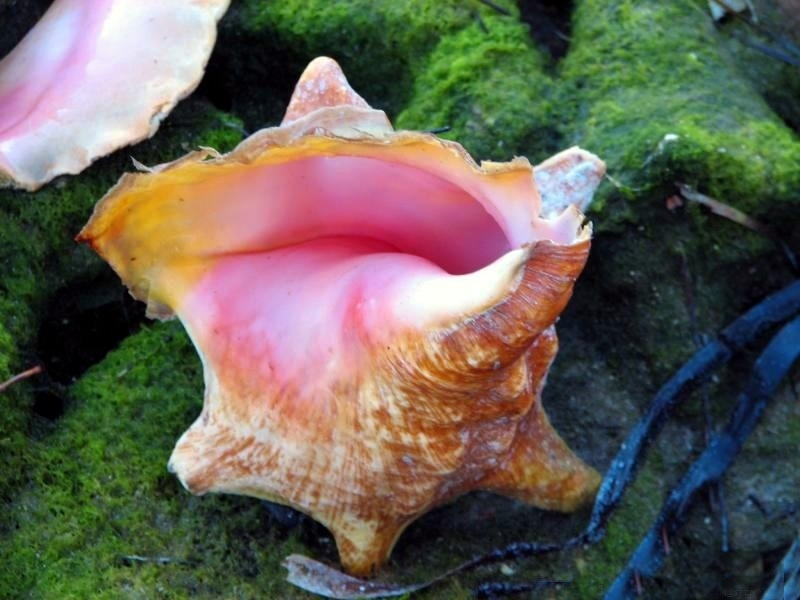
[(373, 310), (93, 76)]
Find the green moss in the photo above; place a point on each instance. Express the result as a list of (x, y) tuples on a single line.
[(192, 124), (16, 404), (488, 85), (598, 565), (433, 64), (38, 257), (377, 44), (658, 72), (648, 87), (380, 45), (99, 491)]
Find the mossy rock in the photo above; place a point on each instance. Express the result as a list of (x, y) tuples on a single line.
[(654, 88), (469, 75), (657, 96), (45, 273), (99, 495), (380, 46)]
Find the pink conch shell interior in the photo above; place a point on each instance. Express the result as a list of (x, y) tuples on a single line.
[(95, 75)]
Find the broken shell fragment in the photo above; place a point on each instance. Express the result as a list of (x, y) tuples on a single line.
[(95, 75), (567, 179), (373, 310)]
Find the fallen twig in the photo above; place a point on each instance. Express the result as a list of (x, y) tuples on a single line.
[(159, 560), (737, 216), (496, 7), (770, 368), (318, 578), (19, 377), (438, 130), (773, 310), (724, 210), (786, 583)]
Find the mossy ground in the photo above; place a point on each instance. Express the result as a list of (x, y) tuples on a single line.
[(39, 261), (380, 46), (98, 492), (662, 71), (85, 489), (466, 80)]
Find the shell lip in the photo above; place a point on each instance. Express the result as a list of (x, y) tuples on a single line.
[(392, 155)]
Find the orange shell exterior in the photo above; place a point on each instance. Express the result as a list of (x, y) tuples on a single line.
[(445, 428)]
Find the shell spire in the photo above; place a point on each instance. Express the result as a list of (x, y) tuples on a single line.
[(322, 84)]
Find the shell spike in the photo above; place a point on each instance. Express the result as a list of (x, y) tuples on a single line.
[(321, 85)]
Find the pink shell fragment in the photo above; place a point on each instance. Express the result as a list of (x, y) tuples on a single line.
[(95, 75)]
